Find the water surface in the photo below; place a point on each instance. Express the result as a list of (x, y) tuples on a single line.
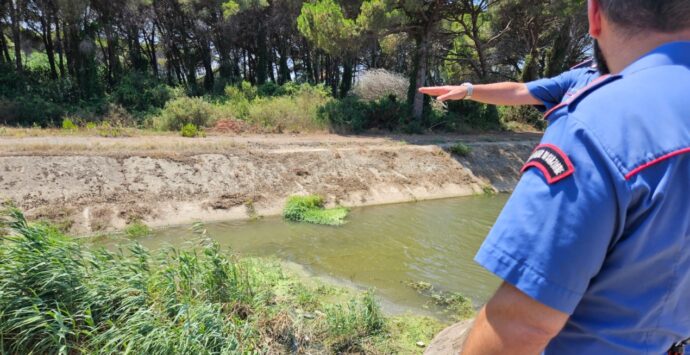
[(381, 247)]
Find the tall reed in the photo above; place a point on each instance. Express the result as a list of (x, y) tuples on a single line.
[(59, 296)]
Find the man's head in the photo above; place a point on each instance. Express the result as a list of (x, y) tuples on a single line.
[(617, 25), (634, 16)]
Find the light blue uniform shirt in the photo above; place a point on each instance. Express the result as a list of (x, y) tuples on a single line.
[(553, 91), (599, 225)]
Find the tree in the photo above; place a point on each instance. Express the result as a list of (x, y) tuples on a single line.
[(326, 25)]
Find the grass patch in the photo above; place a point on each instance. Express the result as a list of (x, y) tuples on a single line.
[(310, 209), (460, 149), (137, 229), (59, 296)]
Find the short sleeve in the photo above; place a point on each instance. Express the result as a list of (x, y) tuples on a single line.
[(550, 240), (551, 91)]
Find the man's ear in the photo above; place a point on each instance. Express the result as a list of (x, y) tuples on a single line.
[(595, 18)]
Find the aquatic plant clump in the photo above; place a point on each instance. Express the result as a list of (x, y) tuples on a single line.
[(58, 296), (310, 209)]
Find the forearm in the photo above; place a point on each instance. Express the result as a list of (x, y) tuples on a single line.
[(507, 94), (513, 323), (489, 337)]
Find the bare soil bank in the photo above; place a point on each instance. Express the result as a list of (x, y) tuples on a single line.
[(92, 184)]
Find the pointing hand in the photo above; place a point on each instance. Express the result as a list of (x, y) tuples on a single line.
[(445, 93)]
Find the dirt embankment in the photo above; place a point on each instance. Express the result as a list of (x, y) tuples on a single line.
[(96, 184)]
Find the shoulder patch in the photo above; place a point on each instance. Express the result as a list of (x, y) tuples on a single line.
[(551, 161)]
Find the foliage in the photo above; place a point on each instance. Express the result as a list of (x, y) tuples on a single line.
[(137, 229), (294, 112), (348, 115), (310, 209), (523, 114), (58, 296), (468, 114), (140, 92), (182, 111), (78, 57), (68, 125), (354, 115), (460, 149), (351, 325), (190, 131)]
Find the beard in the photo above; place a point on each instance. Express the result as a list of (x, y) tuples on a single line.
[(600, 59)]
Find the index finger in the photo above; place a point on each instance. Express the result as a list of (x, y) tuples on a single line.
[(434, 90)]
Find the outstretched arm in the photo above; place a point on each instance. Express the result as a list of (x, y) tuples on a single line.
[(507, 93), (513, 323)]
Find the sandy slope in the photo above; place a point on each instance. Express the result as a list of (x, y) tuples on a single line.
[(96, 184)]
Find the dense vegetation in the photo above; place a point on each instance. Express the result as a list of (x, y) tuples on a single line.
[(145, 62), (59, 296)]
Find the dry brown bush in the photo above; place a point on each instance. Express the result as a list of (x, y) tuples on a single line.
[(378, 83)]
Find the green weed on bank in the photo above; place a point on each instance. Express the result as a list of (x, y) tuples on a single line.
[(58, 296), (310, 209)]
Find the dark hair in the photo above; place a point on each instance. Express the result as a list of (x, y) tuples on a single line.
[(658, 15)]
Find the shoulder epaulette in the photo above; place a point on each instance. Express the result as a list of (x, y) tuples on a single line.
[(589, 63), (593, 86)]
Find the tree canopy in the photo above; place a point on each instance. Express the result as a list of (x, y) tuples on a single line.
[(89, 47)]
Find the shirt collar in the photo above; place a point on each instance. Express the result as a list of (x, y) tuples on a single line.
[(674, 53)]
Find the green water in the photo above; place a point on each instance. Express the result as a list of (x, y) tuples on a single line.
[(381, 247)]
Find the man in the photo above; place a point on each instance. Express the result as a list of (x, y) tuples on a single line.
[(544, 93), (592, 245)]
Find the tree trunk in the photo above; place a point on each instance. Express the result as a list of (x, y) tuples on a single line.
[(283, 69), (418, 76), (346, 82), (208, 67), (15, 17), (153, 58), (262, 55), (113, 58), (48, 43), (271, 72), (3, 46), (61, 48)]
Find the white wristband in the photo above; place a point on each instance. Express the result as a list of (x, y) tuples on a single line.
[(470, 90)]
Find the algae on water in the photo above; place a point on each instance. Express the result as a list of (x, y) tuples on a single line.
[(310, 209)]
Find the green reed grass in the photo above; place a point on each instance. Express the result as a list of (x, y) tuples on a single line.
[(59, 297)]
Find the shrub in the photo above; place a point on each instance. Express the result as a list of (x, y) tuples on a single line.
[(28, 109), (460, 149), (523, 115), (347, 115), (293, 113), (354, 115), (468, 114), (310, 209), (141, 92), (189, 131), (68, 124), (379, 83), (388, 113), (182, 111), (271, 89)]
